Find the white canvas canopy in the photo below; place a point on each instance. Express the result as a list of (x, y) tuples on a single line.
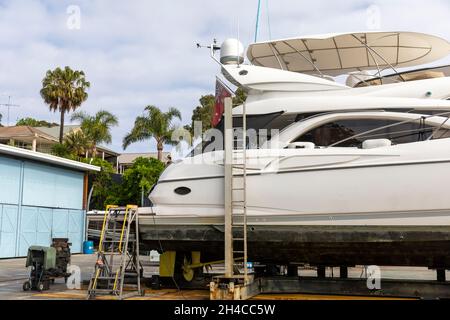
[(336, 54)]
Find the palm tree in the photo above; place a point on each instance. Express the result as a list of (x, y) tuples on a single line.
[(77, 143), (64, 91), (97, 128), (153, 124)]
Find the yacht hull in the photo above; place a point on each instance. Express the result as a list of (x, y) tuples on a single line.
[(414, 194), (388, 206), (314, 245)]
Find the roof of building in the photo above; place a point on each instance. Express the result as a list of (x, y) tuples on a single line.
[(128, 158), (45, 133), (54, 132), (46, 158), (23, 131)]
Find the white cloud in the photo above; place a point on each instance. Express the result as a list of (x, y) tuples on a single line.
[(143, 52)]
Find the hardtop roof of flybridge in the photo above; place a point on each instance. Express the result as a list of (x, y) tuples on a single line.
[(341, 53)]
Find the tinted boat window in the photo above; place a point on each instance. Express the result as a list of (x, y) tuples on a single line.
[(335, 131)]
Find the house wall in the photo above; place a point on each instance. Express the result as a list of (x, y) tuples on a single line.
[(39, 202)]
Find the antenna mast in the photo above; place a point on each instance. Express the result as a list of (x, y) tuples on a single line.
[(258, 13), (8, 105)]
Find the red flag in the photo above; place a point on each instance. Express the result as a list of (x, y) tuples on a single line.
[(222, 92)]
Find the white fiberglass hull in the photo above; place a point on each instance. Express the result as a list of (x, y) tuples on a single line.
[(404, 185)]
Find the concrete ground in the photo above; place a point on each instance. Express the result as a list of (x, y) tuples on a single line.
[(13, 274)]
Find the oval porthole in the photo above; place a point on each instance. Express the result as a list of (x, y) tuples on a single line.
[(243, 73), (182, 191)]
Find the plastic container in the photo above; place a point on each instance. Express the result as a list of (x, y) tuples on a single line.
[(88, 247)]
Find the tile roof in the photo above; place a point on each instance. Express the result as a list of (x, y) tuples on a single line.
[(128, 158), (23, 131)]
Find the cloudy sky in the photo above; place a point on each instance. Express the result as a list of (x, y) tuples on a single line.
[(141, 52)]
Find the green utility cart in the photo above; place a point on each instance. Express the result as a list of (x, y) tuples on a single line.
[(47, 264)]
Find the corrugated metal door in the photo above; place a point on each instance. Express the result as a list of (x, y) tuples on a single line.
[(8, 230)]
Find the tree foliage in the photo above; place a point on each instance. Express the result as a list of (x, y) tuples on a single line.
[(77, 143), (239, 97), (141, 177), (153, 124), (204, 112), (31, 122), (64, 90), (104, 190), (61, 150), (95, 129)]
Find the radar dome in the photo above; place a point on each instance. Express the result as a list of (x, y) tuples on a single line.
[(231, 52)]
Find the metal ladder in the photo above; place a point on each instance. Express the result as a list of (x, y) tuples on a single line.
[(239, 201), (119, 238)]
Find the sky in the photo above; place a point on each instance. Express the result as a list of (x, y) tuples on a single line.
[(143, 52)]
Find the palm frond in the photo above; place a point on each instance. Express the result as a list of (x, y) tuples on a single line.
[(140, 132), (153, 124)]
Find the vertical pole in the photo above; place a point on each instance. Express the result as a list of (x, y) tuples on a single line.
[(34, 144), (138, 261), (228, 167), (19, 210), (9, 105), (258, 13), (244, 178)]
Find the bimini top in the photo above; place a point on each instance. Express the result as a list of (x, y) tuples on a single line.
[(336, 54)]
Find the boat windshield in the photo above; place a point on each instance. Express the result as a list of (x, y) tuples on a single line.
[(410, 130), (267, 122)]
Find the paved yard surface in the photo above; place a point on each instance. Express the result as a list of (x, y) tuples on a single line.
[(13, 273)]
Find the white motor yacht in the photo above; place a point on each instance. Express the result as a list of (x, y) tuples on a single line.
[(347, 174)]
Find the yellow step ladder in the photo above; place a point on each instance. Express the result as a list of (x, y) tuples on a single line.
[(119, 238)]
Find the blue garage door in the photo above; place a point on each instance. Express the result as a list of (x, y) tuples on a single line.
[(38, 219), (39, 225), (69, 224), (35, 228), (8, 230), (76, 230), (44, 226), (10, 173), (62, 188), (28, 226)]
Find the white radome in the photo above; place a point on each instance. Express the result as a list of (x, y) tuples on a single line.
[(232, 52)]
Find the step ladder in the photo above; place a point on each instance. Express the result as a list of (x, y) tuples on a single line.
[(118, 267), (239, 201)]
